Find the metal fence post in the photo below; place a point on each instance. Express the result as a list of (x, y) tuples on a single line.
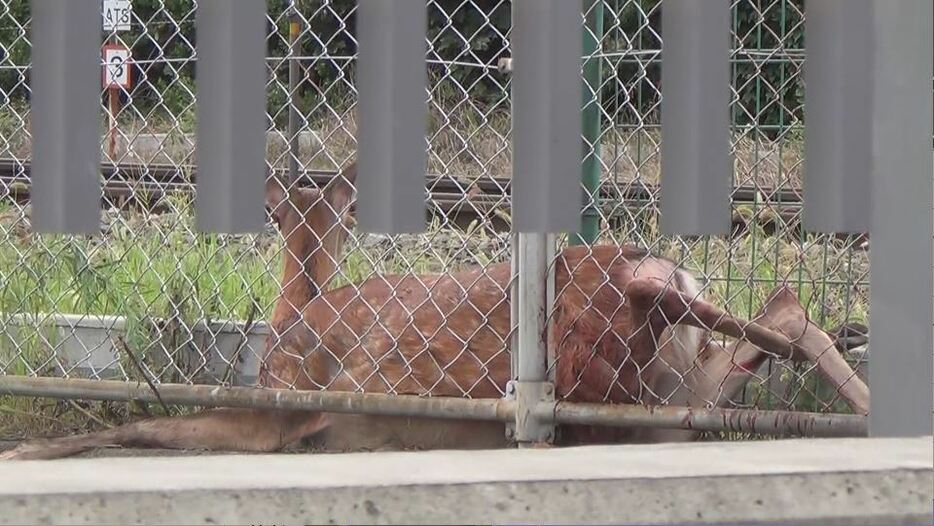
[(591, 125), (696, 169), (546, 112), (391, 79), (838, 155), (900, 284), (531, 385), (231, 111), (514, 306), (66, 116), (547, 60), (295, 29)]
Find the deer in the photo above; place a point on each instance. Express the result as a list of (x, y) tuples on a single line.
[(627, 326)]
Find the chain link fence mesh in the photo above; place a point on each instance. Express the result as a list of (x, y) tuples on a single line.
[(149, 298)]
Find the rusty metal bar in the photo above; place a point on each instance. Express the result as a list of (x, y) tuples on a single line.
[(182, 176), (250, 397), (738, 420), (501, 410)]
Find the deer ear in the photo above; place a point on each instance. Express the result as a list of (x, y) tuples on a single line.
[(275, 192), (338, 192), (276, 199)]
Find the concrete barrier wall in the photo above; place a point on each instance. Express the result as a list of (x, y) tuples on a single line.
[(828, 481), (86, 346)]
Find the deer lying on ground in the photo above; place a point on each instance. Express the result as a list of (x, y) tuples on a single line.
[(627, 326)]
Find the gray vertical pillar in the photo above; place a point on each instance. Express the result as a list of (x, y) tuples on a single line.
[(697, 173), (391, 80), (546, 115), (838, 112), (231, 98), (901, 259), (66, 89)]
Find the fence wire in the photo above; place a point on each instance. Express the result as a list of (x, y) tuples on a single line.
[(150, 299)]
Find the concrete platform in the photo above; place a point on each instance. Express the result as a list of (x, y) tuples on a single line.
[(826, 481)]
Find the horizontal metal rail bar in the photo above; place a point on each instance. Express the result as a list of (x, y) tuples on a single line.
[(501, 410), (713, 420), (259, 398)]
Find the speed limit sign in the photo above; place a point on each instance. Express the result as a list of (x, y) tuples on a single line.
[(116, 66)]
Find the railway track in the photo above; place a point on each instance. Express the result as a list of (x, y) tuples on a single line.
[(132, 184)]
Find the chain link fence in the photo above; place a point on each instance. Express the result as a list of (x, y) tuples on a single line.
[(150, 300)]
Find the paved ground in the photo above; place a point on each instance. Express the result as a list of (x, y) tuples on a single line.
[(828, 481)]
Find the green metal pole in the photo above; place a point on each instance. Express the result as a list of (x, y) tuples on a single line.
[(295, 31), (590, 123)]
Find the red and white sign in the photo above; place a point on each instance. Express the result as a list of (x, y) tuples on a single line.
[(116, 71)]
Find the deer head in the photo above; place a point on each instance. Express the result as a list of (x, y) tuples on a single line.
[(314, 224)]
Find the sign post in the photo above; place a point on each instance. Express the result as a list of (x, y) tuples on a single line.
[(116, 76), (116, 16)]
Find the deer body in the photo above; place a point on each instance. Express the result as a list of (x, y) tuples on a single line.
[(448, 335), (627, 327)]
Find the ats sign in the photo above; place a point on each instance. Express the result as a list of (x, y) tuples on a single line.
[(116, 15)]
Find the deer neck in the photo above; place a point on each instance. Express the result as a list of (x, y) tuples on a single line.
[(300, 282)]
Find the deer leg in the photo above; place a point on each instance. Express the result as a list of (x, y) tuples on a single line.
[(732, 368), (246, 430), (721, 372), (222, 429), (793, 337)]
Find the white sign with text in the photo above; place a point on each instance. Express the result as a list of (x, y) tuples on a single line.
[(116, 15)]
